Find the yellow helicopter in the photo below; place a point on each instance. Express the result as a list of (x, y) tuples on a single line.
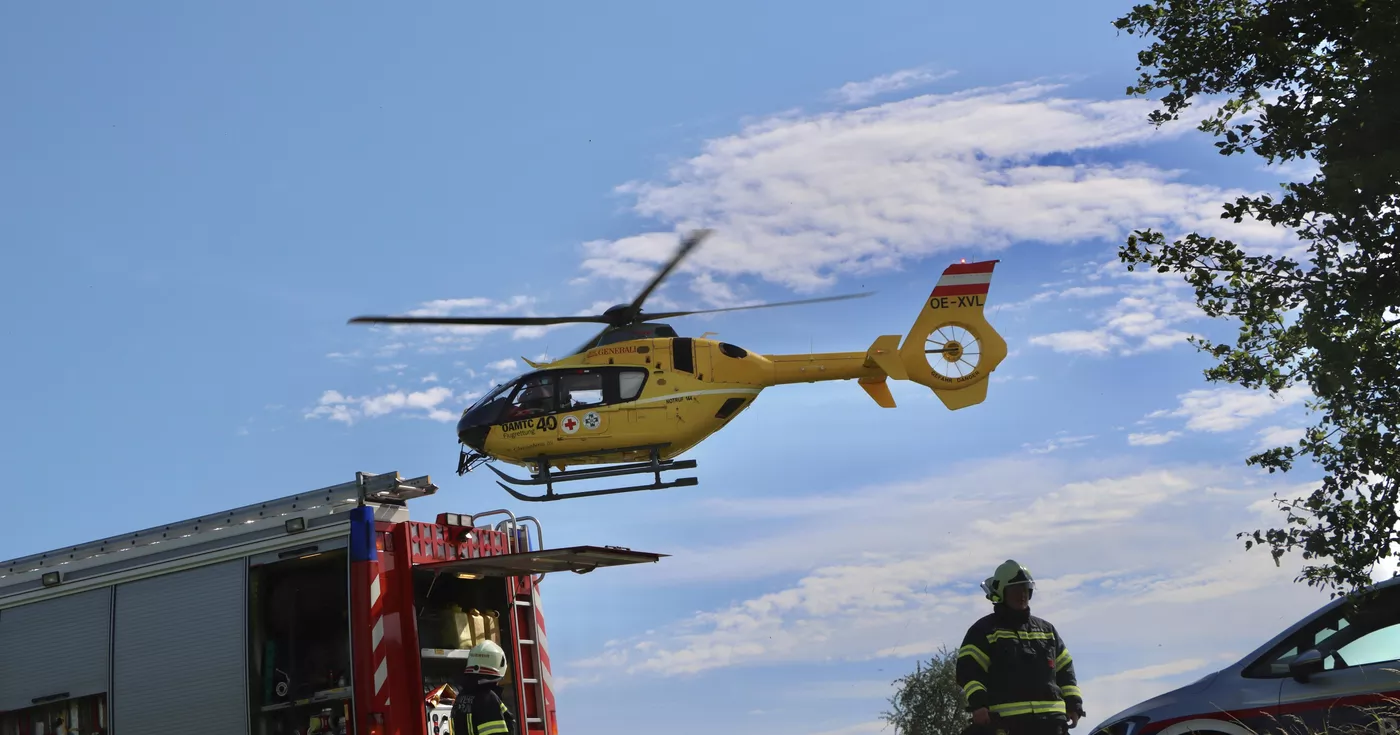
[(637, 395)]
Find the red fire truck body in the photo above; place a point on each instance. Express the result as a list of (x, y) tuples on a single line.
[(322, 612)]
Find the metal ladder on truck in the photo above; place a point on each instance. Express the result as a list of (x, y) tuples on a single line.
[(533, 710), (528, 643)]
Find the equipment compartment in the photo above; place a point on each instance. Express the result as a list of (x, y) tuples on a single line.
[(455, 612), (299, 634)]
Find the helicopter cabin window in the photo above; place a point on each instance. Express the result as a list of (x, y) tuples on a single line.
[(600, 386), (534, 397), (580, 390), (629, 384)]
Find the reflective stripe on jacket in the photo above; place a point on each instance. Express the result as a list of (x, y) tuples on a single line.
[(481, 712), (1016, 664)]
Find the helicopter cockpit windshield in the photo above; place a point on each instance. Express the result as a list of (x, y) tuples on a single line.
[(488, 407), (525, 397)]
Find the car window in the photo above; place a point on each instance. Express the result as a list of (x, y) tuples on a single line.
[(1373, 648), (1345, 637)]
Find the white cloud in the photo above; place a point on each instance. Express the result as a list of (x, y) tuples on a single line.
[(1386, 568), (1001, 377), (503, 365), (853, 93), (1280, 436), (1134, 685), (828, 690), (1075, 292), (863, 728), (443, 307), (1266, 509), (798, 199), (1093, 342), (1144, 318), (1151, 440), (1295, 170), (1062, 440), (1156, 671), (436, 338), (1158, 540), (349, 409), (1224, 409)]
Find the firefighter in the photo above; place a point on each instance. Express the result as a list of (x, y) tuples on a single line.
[(477, 708), (1013, 667)]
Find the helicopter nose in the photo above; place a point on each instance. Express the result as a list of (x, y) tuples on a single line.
[(472, 435)]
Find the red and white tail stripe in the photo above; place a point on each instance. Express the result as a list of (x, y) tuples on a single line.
[(965, 279)]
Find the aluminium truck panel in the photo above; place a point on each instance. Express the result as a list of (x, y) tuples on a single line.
[(55, 648), (179, 654)]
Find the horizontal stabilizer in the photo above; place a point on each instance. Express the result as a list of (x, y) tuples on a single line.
[(878, 389)]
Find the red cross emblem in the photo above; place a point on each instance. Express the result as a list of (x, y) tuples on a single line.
[(570, 424)]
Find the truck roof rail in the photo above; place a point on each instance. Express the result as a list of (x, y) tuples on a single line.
[(379, 489)]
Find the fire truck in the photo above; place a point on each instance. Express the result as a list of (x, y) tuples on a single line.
[(325, 612)]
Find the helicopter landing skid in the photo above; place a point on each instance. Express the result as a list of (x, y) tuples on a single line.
[(548, 477)]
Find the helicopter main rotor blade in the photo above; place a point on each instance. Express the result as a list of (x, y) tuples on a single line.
[(505, 321), (616, 317), (591, 340), (688, 244), (674, 314)]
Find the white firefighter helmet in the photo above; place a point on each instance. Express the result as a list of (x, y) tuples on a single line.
[(1010, 572), (486, 659)]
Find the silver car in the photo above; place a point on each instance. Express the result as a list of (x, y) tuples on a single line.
[(1335, 671)]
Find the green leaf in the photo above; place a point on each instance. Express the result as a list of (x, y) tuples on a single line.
[(929, 700), (1299, 81)]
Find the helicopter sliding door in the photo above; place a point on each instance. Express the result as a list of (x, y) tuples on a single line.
[(588, 403), (577, 410)]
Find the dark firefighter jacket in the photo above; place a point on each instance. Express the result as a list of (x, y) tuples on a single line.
[(1015, 664), (478, 710)]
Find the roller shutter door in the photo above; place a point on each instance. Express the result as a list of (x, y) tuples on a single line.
[(55, 646), (179, 651)]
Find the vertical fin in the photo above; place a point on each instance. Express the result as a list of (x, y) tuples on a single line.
[(951, 348)]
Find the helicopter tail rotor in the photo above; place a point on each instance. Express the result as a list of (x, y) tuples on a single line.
[(951, 348)]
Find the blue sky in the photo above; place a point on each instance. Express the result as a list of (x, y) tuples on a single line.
[(198, 197)]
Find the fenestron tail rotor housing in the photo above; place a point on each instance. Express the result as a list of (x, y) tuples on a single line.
[(951, 348), (953, 351)]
